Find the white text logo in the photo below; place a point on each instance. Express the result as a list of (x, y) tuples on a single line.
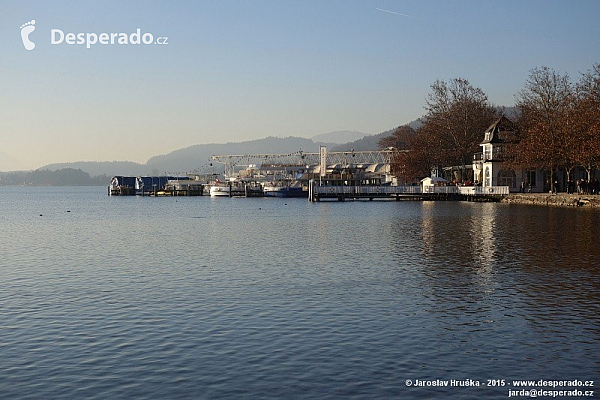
[(57, 36)]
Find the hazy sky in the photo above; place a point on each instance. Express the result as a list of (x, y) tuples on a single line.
[(240, 70)]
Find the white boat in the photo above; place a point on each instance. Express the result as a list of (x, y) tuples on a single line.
[(226, 191), (217, 191)]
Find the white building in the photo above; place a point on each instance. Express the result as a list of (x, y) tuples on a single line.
[(488, 165)]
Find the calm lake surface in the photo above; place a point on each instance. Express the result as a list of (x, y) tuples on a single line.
[(130, 297)]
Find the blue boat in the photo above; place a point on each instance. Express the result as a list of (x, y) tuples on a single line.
[(284, 189)]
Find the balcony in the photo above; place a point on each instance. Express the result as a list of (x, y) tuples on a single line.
[(494, 155)]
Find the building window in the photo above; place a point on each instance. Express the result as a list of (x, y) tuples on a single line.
[(507, 178), (487, 153)]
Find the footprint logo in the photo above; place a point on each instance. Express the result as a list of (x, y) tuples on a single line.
[(26, 29)]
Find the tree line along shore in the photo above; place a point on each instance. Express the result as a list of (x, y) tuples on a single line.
[(556, 128)]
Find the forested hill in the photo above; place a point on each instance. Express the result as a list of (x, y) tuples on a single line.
[(368, 143), (194, 158), (61, 177), (108, 168)]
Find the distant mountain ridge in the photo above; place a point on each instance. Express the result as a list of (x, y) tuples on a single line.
[(339, 137), (371, 142), (198, 157), (108, 168), (193, 158)]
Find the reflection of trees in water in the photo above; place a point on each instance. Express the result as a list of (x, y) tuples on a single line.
[(448, 275), (458, 241), (559, 263), (523, 265)]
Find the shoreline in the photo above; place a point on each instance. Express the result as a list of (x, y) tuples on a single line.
[(553, 200)]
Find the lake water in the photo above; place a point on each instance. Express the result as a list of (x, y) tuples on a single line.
[(130, 297)]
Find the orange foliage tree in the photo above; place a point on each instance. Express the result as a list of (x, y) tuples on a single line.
[(457, 115)]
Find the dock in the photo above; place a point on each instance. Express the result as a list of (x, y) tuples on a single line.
[(337, 176), (386, 192), (317, 191), (155, 186)]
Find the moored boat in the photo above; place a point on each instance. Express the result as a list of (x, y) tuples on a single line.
[(284, 189), (218, 191), (226, 191)]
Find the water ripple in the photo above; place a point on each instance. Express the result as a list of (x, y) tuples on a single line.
[(131, 297)]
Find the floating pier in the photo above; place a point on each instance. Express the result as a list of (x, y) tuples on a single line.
[(183, 188), (155, 186)]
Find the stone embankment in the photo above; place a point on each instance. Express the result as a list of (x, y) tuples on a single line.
[(558, 200)]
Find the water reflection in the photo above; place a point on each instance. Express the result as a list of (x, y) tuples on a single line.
[(343, 298), (526, 273), (428, 225), (483, 225), (459, 245)]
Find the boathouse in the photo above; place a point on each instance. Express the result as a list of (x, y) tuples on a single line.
[(122, 186)]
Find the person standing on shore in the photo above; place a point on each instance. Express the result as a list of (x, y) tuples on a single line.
[(594, 186), (570, 186)]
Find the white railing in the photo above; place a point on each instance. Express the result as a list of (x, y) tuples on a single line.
[(495, 154), (440, 189), (366, 190), (484, 190), (391, 190)]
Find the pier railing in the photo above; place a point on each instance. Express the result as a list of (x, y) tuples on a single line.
[(440, 189), (483, 191), (468, 192), (366, 190)]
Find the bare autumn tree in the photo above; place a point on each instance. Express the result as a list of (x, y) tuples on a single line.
[(457, 115), (547, 121), (399, 138), (587, 123), (417, 161)]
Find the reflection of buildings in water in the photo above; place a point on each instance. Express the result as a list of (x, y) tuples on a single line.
[(428, 227), (459, 249), (559, 264), (484, 241), (523, 274), (457, 279)]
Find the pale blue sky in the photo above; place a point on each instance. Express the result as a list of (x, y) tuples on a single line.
[(240, 70)]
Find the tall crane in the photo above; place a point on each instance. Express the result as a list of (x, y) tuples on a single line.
[(302, 158)]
